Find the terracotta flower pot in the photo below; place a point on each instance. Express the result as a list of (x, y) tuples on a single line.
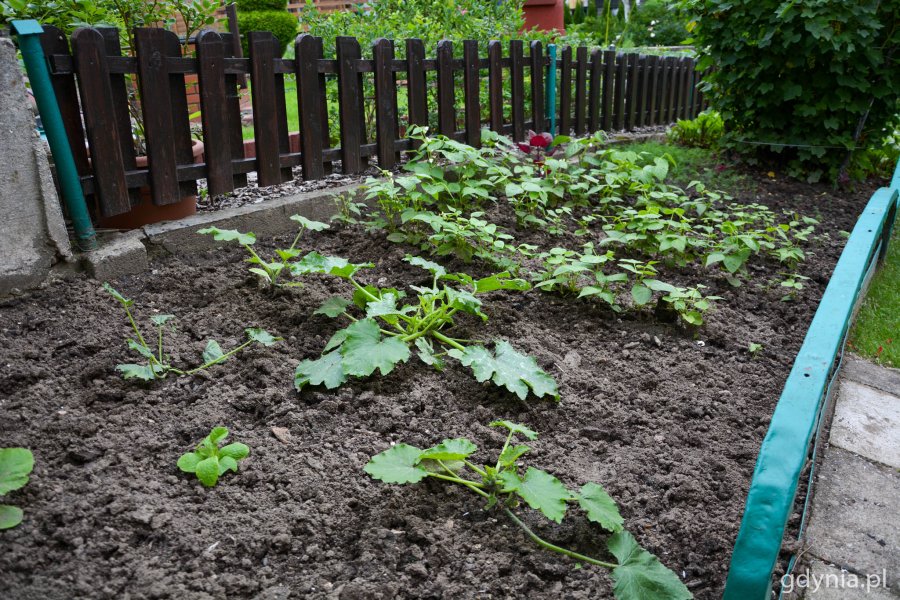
[(146, 212)]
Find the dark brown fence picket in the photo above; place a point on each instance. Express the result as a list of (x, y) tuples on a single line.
[(565, 91), (597, 90), (472, 91), (580, 91), (89, 53)]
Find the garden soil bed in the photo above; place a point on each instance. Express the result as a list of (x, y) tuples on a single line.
[(668, 420)]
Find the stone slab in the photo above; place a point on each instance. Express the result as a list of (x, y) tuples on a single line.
[(855, 515), (266, 219), (872, 375), (867, 422), (123, 254)]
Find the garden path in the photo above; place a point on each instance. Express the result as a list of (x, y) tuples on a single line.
[(854, 526)]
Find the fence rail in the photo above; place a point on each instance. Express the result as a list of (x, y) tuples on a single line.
[(598, 90)]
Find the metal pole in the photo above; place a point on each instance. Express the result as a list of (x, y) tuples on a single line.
[(69, 182), (550, 94)]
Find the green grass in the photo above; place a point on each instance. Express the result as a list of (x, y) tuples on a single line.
[(696, 164), (290, 99), (876, 334)]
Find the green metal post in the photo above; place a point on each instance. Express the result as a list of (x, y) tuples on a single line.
[(70, 184), (550, 94)]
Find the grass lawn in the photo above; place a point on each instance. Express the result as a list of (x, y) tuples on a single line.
[(695, 163), (876, 334)]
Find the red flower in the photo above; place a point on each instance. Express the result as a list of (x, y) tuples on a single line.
[(524, 147), (542, 140)]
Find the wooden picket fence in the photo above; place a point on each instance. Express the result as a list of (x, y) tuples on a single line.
[(597, 90)]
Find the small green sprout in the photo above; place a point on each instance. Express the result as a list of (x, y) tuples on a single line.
[(755, 349), (15, 466), (209, 462)]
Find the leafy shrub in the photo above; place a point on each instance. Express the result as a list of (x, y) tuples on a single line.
[(260, 5), (658, 23), (803, 82), (282, 24), (703, 132)]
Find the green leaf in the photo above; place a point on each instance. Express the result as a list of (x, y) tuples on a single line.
[(115, 294), (397, 237), (511, 454), (542, 491), (262, 273), (432, 267), (600, 507), (261, 336), (213, 352), (309, 224), (508, 368), (188, 462), (455, 449), (640, 575), (226, 463), (229, 235), (733, 262), (140, 348), (333, 307), (397, 464), (15, 465), (364, 350), (327, 369), (660, 286), (426, 354), (500, 281), (237, 451), (516, 428), (641, 294), (10, 516), (386, 306), (207, 471), (160, 320), (143, 372), (217, 435)]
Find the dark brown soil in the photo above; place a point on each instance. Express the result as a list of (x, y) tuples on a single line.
[(668, 421)]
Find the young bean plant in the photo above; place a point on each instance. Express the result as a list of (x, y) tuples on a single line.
[(268, 271), (387, 328), (158, 365), (209, 462), (15, 466), (638, 574)]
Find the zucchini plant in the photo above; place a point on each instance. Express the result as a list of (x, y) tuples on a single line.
[(268, 271), (209, 461), (638, 574), (157, 364), (387, 329)]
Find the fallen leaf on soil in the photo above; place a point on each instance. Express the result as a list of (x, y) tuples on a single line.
[(283, 435)]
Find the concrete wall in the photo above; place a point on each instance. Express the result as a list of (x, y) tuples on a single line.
[(32, 231)]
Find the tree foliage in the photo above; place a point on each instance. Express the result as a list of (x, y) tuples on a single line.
[(805, 83)]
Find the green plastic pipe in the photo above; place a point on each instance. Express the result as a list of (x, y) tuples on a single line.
[(550, 94), (784, 450), (69, 182)]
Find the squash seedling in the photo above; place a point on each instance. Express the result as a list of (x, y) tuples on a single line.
[(15, 466), (268, 271), (637, 574), (384, 335), (209, 462), (157, 365)]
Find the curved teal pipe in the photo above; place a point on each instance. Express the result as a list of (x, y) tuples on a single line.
[(69, 182)]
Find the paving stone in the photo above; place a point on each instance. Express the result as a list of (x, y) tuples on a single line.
[(867, 422), (855, 515)]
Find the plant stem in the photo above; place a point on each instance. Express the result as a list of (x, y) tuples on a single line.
[(160, 342), (475, 468), (222, 358), (135, 327), (548, 546), (449, 341), (475, 487), (505, 445)]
